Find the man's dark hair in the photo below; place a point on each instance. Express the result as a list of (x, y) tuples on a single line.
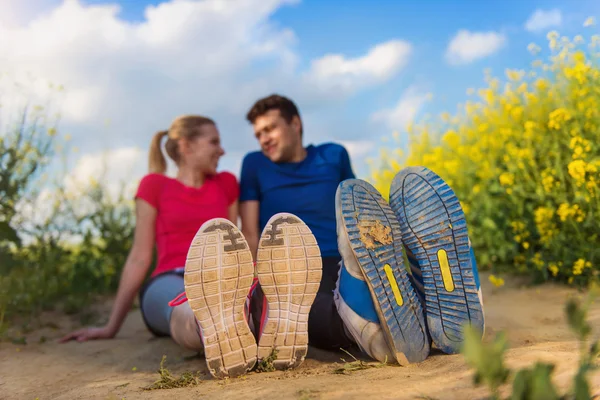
[(286, 107)]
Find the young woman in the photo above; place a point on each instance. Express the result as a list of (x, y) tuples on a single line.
[(169, 212)]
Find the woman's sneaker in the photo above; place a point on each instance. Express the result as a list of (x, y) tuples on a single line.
[(434, 231), (289, 269), (218, 276), (375, 297)]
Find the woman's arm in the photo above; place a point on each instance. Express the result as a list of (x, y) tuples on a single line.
[(233, 212), (132, 277), (249, 213)]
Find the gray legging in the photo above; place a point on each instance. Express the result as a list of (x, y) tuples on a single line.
[(155, 297)]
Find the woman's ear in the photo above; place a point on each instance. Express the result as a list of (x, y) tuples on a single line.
[(183, 146)]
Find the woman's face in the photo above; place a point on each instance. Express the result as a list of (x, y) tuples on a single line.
[(204, 151)]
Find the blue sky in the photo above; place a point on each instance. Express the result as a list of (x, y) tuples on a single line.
[(130, 69)]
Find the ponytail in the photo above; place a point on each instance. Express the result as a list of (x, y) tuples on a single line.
[(156, 161)]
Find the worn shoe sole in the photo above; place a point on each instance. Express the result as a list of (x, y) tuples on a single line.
[(434, 230), (218, 277), (374, 238), (289, 269)]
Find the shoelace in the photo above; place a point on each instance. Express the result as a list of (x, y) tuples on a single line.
[(182, 298)]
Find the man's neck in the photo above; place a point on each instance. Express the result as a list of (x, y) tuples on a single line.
[(298, 155)]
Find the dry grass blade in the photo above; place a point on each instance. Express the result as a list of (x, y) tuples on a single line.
[(355, 365), (168, 381)]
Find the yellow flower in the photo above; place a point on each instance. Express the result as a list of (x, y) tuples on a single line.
[(517, 226), (533, 48), (565, 211), (545, 225), (548, 181), (537, 261), (558, 117), (553, 269), (577, 171), (496, 281), (507, 179), (578, 266), (590, 21), (514, 75), (452, 139)]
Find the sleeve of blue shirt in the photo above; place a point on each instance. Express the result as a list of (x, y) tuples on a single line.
[(347, 172), (249, 187)]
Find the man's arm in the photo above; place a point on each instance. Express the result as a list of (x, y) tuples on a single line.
[(347, 172), (249, 214), (250, 202)]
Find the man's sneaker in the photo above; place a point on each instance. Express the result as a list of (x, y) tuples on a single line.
[(434, 231), (218, 277), (359, 315), (374, 281), (289, 269)]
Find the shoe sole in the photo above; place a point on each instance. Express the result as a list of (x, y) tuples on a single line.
[(218, 277), (289, 269), (379, 255), (434, 230)]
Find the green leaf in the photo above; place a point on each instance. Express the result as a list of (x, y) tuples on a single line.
[(582, 388), (8, 233), (521, 385), (486, 359), (542, 387), (576, 317), (535, 383)]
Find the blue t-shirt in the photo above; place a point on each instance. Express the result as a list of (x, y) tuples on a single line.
[(306, 189)]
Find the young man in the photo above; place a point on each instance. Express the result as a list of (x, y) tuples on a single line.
[(286, 176), (371, 300)]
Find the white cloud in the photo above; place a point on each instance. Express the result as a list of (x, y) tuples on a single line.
[(17, 12), (542, 20), (399, 116), (335, 72), (466, 47), (211, 57), (357, 149), (112, 168)]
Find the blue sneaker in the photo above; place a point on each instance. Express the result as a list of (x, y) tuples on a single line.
[(374, 296), (434, 232), (354, 304)]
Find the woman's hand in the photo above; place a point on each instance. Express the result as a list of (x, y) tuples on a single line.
[(83, 335), (132, 277)]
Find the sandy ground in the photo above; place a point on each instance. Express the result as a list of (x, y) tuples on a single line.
[(118, 369)]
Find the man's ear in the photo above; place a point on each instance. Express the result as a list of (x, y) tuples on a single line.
[(296, 124)]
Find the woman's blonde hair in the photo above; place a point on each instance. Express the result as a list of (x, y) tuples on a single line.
[(184, 127)]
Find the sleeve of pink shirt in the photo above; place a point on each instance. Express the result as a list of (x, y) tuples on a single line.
[(149, 189), (230, 185)]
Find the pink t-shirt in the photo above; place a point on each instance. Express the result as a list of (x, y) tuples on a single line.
[(182, 210)]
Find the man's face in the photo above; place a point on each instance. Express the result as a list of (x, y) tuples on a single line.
[(277, 138)]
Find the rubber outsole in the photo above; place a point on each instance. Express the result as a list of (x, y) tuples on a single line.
[(218, 276), (289, 269), (374, 235), (434, 230)]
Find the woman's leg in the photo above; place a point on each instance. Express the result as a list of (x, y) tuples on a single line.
[(155, 298), (178, 322), (184, 327)]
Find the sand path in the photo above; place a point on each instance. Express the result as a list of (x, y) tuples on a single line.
[(117, 369)]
